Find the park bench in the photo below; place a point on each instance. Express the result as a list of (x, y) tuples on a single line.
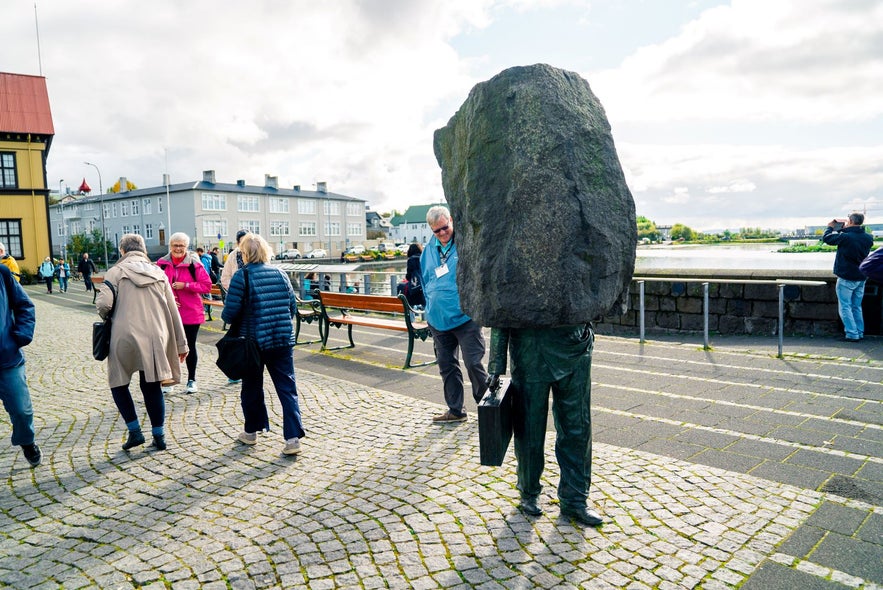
[(307, 312), (372, 311)]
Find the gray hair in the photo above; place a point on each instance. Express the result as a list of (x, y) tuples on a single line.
[(132, 243), (856, 218), (254, 248), (437, 213), (180, 236)]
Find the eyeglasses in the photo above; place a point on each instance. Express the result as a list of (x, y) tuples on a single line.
[(178, 246), (441, 229)]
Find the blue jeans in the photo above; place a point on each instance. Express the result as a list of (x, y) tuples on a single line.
[(469, 340), (849, 296), (17, 401), (62, 283), (280, 365)]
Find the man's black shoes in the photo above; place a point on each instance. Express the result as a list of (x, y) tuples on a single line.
[(159, 442), (529, 506), (32, 454), (582, 515)]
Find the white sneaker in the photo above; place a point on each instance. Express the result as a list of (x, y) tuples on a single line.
[(191, 387), (292, 446), (167, 389), (248, 438)]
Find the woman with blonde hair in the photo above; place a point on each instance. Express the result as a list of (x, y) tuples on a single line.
[(261, 297), (147, 337)]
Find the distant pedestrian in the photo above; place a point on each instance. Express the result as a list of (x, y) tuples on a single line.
[(853, 244), (414, 291), (267, 319), (147, 337), (190, 282), (9, 262), (47, 273), (216, 266), (17, 320), (86, 267), (63, 272)]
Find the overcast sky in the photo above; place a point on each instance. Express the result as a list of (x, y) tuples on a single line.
[(725, 114)]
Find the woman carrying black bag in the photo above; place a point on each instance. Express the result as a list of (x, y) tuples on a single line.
[(265, 315)]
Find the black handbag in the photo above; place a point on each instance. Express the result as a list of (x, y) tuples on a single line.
[(495, 424), (238, 354), (101, 330)]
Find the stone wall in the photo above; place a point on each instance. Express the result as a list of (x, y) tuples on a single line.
[(677, 306)]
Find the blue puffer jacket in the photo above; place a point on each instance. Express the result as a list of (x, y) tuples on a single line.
[(271, 305), (16, 321)]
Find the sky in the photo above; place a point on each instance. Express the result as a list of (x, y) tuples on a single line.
[(725, 114)]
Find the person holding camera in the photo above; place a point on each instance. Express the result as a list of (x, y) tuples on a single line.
[(853, 244)]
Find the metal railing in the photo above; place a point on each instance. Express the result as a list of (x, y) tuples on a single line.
[(385, 283), (780, 284)]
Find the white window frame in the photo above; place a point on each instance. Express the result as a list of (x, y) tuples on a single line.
[(306, 228), (248, 203), (214, 202), (306, 206)]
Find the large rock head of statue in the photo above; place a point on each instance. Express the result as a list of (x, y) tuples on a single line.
[(545, 224)]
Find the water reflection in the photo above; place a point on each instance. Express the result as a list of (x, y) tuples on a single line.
[(730, 257)]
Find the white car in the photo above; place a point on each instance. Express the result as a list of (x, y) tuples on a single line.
[(290, 253), (317, 253), (360, 249)]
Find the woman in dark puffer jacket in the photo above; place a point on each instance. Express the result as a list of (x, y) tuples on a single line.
[(266, 317)]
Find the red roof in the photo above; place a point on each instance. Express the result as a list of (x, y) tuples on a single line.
[(24, 104)]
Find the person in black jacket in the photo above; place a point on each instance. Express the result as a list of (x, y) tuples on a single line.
[(412, 275), (17, 320), (266, 318), (86, 267), (853, 244)]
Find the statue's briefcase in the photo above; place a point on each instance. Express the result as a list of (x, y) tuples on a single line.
[(495, 424)]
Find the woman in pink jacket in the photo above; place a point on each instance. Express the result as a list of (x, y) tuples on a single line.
[(189, 283)]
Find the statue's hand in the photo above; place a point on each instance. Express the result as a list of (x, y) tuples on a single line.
[(493, 382)]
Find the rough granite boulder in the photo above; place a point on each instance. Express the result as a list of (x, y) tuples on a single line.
[(545, 224)]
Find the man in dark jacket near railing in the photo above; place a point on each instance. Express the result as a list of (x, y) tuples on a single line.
[(853, 245)]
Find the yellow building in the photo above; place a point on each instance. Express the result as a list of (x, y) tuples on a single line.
[(26, 133)]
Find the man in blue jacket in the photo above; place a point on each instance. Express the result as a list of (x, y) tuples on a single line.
[(16, 331), (450, 327), (853, 245)]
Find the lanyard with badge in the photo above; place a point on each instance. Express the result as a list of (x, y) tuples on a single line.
[(442, 269)]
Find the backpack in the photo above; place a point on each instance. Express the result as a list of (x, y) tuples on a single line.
[(872, 266)]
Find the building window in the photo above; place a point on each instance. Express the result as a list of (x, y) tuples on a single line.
[(248, 204), (124, 209), (332, 228), (159, 205), (135, 209), (251, 225), (306, 207), (353, 208), (136, 229), (332, 208), (148, 228), (10, 234), (7, 174), (278, 205), (213, 227), (307, 228), (214, 202), (148, 210), (354, 229), (279, 228), (113, 210), (127, 229)]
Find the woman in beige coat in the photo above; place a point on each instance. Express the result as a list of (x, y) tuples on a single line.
[(147, 336)]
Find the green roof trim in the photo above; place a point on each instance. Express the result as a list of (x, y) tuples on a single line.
[(414, 214)]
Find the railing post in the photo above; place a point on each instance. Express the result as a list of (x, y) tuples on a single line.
[(705, 314), (781, 318), (641, 308)]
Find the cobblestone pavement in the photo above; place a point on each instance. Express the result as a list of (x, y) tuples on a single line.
[(382, 498)]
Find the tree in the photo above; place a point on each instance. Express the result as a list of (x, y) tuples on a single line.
[(679, 231), (116, 187), (647, 229), (89, 242)]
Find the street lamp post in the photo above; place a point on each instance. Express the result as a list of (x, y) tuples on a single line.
[(101, 204), (63, 224)]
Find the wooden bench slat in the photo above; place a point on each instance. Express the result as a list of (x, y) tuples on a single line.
[(352, 309)]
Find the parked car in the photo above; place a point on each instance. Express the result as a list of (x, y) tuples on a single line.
[(287, 254), (317, 253), (358, 249), (386, 247)]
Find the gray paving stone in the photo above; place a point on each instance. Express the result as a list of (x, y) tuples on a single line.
[(774, 575), (850, 555)]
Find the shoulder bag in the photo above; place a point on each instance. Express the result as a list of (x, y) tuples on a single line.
[(495, 424), (101, 330), (238, 354)]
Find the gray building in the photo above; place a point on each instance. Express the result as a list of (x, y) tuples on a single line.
[(212, 212)]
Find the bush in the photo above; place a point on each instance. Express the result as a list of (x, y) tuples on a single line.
[(27, 277)]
